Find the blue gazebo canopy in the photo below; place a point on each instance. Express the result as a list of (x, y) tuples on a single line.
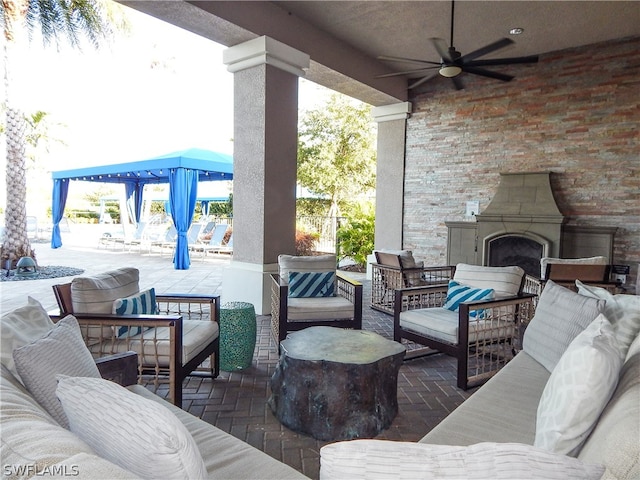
[(182, 170)]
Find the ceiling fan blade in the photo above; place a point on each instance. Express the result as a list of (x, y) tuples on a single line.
[(441, 47), (488, 73), (502, 61), (422, 80), (457, 81), (406, 72), (406, 60), (492, 47)]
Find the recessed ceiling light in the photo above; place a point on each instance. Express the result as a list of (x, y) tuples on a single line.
[(516, 31)]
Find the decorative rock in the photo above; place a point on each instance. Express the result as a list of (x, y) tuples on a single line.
[(237, 335), (336, 384)]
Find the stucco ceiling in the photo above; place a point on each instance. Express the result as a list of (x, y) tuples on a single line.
[(344, 38)]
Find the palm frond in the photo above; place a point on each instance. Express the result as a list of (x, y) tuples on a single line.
[(74, 20)]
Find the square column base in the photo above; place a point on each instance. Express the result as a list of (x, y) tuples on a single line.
[(249, 282)]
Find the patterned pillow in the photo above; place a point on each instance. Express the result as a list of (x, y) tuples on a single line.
[(142, 303), (19, 327), (457, 294), (559, 317), (311, 284), (136, 433), (60, 351), (623, 311), (578, 389)]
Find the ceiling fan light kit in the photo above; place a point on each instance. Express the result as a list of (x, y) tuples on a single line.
[(450, 71), (453, 63)]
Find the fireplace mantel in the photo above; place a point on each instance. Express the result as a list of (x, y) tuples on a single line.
[(576, 241)]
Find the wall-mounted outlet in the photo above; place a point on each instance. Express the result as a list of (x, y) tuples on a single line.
[(473, 208)]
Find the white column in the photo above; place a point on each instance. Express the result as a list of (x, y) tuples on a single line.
[(265, 160), (391, 121)]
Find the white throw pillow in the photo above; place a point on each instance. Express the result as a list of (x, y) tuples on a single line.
[(560, 316), (623, 311), (59, 351), (133, 432), (19, 327), (578, 389), (387, 460)]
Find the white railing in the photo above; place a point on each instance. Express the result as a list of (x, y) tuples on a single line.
[(325, 227)]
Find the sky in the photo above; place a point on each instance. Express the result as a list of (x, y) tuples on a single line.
[(156, 90)]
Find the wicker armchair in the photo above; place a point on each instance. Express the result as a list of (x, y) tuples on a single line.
[(398, 269), (564, 272), (290, 312), (483, 335), (170, 345)]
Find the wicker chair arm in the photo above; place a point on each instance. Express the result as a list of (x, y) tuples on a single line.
[(341, 277), (193, 306), (124, 320)]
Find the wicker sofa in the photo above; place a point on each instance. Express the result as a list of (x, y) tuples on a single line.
[(499, 431), (35, 444)]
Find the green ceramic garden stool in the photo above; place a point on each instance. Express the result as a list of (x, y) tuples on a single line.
[(237, 335)]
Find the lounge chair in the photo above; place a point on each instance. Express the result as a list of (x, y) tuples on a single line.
[(171, 342)]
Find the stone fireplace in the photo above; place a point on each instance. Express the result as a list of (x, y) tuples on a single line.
[(520, 225)]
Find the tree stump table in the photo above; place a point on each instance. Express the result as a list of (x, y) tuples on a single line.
[(336, 384)]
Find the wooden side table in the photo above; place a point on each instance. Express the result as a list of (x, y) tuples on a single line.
[(336, 384)]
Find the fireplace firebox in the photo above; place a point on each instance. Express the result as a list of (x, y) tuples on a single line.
[(509, 250)]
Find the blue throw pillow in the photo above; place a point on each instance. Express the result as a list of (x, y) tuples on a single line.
[(142, 303), (311, 284), (458, 293)]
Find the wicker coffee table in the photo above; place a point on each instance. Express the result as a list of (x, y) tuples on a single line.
[(336, 384)]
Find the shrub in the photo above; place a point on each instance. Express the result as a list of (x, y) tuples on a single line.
[(356, 236), (305, 242)]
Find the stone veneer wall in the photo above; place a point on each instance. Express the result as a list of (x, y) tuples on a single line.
[(575, 113)]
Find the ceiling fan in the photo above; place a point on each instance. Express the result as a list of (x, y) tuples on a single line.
[(453, 63)]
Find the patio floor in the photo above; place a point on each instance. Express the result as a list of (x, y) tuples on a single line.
[(236, 402)]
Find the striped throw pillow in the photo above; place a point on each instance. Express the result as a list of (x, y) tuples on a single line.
[(142, 303), (311, 284), (458, 293)]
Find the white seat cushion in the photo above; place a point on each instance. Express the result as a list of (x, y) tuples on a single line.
[(196, 334), (323, 308), (505, 281), (313, 263), (442, 324), (96, 294)]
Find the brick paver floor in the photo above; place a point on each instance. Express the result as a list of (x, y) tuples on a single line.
[(237, 402)]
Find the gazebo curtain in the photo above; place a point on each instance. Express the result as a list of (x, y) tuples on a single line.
[(133, 192), (183, 192), (60, 190)]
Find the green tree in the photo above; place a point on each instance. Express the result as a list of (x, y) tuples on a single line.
[(91, 19), (336, 151)]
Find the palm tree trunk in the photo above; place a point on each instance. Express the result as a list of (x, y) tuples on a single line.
[(15, 243)]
